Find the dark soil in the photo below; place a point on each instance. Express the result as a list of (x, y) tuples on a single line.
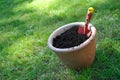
[(69, 38)]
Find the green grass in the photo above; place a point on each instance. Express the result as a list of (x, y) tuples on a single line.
[(25, 26)]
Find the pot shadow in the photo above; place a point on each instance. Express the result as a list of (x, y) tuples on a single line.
[(106, 64)]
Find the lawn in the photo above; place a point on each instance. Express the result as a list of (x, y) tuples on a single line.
[(25, 26)]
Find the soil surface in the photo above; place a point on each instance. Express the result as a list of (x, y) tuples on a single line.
[(69, 38)]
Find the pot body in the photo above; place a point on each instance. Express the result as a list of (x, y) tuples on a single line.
[(77, 57)]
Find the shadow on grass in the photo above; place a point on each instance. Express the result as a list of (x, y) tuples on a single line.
[(106, 65), (6, 7)]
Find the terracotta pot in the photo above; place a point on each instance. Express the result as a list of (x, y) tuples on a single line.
[(77, 57)]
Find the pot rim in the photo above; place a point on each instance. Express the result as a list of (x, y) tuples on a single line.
[(66, 27)]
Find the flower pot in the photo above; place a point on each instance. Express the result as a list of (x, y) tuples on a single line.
[(76, 57)]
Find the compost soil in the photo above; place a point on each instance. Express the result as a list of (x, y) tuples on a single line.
[(69, 38)]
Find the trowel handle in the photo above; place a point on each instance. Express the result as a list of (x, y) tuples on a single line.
[(88, 17), (89, 14)]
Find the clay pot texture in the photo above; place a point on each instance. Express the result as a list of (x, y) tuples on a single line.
[(77, 57)]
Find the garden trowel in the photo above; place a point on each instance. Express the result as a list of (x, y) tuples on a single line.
[(85, 30)]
